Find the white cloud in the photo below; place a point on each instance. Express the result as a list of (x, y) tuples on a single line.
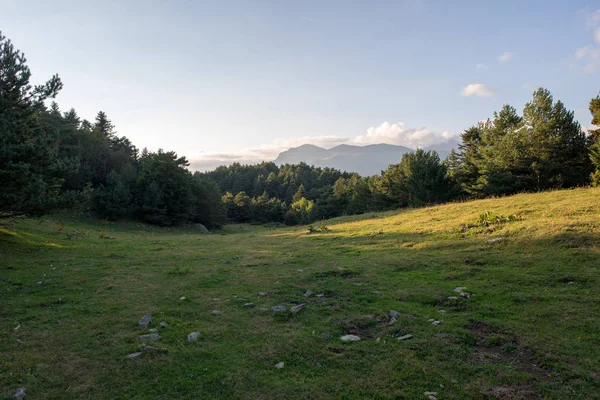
[(478, 89), (588, 57), (389, 133), (481, 66), (504, 57)]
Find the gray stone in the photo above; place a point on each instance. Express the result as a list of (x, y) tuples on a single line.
[(192, 337), (308, 293), (263, 309), (163, 324), (435, 323), (19, 394), (495, 240), (459, 289), (442, 311), (216, 312), (182, 298), (249, 305), (278, 309), (349, 338), (145, 320), (153, 330), (431, 395), (39, 283), (297, 309), (466, 295), (394, 314), (202, 228), (452, 298), (405, 337), (150, 336), (279, 365), (134, 355)]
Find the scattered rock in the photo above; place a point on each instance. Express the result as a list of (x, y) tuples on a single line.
[(466, 295), (145, 320), (153, 330), (279, 365), (459, 289), (192, 337), (495, 240), (249, 305), (321, 295), (163, 324), (151, 348), (39, 283), (263, 309), (134, 355), (182, 298), (405, 337), (202, 228), (308, 293), (216, 312), (349, 338), (431, 395), (278, 309), (435, 323), (394, 314), (150, 336), (452, 298), (442, 311), (297, 309), (19, 394)]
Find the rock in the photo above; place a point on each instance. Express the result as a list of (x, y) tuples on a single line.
[(405, 337), (192, 337), (249, 305), (216, 312), (39, 283), (153, 330), (394, 314), (297, 309), (308, 293), (163, 324), (145, 320), (299, 270), (349, 338), (19, 394), (431, 395), (134, 355), (435, 323), (495, 240), (202, 228), (279, 365), (151, 348), (150, 336), (452, 298), (263, 309), (278, 309), (442, 311), (466, 295), (182, 298), (459, 289)]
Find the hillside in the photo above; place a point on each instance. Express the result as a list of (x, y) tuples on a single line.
[(365, 160), (508, 310)]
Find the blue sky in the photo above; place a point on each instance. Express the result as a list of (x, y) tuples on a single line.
[(241, 80)]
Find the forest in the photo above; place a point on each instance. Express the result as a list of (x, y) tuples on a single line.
[(52, 159)]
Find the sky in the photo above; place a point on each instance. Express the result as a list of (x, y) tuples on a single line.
[(232, 80)]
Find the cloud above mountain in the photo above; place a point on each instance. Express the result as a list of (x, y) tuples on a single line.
[(388, 133)]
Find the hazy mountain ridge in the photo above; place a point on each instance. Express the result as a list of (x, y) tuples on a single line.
[(365, 160)]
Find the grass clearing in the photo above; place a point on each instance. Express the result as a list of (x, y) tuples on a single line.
[(69, 306)]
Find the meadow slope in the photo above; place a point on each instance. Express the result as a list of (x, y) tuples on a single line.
[(526, 326)]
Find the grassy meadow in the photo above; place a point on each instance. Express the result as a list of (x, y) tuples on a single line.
[(526, 326)]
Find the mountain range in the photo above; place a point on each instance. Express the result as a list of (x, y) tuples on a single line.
[(364, 160)]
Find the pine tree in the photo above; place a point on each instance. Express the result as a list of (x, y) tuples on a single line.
[(28, 153)]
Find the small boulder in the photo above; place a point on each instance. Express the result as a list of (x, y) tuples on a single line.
[(349, 338), (279, 365), (163, 324), (150, 336), (394, 314), (153, 330), (278, 309), (39, 283), (182, 298), (145, 320), (249, 305), (459, 289), (405, 337), (308, 293), (192, 337), (431, 395), (134, 355), (435, 323), (19, 394), (216, 312), (297, 309)]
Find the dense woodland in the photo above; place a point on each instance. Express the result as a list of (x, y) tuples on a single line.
[(53, 159)]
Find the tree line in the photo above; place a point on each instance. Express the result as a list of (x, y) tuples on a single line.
[(52, 159)]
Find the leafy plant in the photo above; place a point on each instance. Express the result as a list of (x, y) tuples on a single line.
[(489, 218)]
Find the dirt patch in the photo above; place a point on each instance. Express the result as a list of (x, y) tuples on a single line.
[(337, 273), (367, 327)]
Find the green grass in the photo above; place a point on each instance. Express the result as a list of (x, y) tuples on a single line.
[(531, 330)]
